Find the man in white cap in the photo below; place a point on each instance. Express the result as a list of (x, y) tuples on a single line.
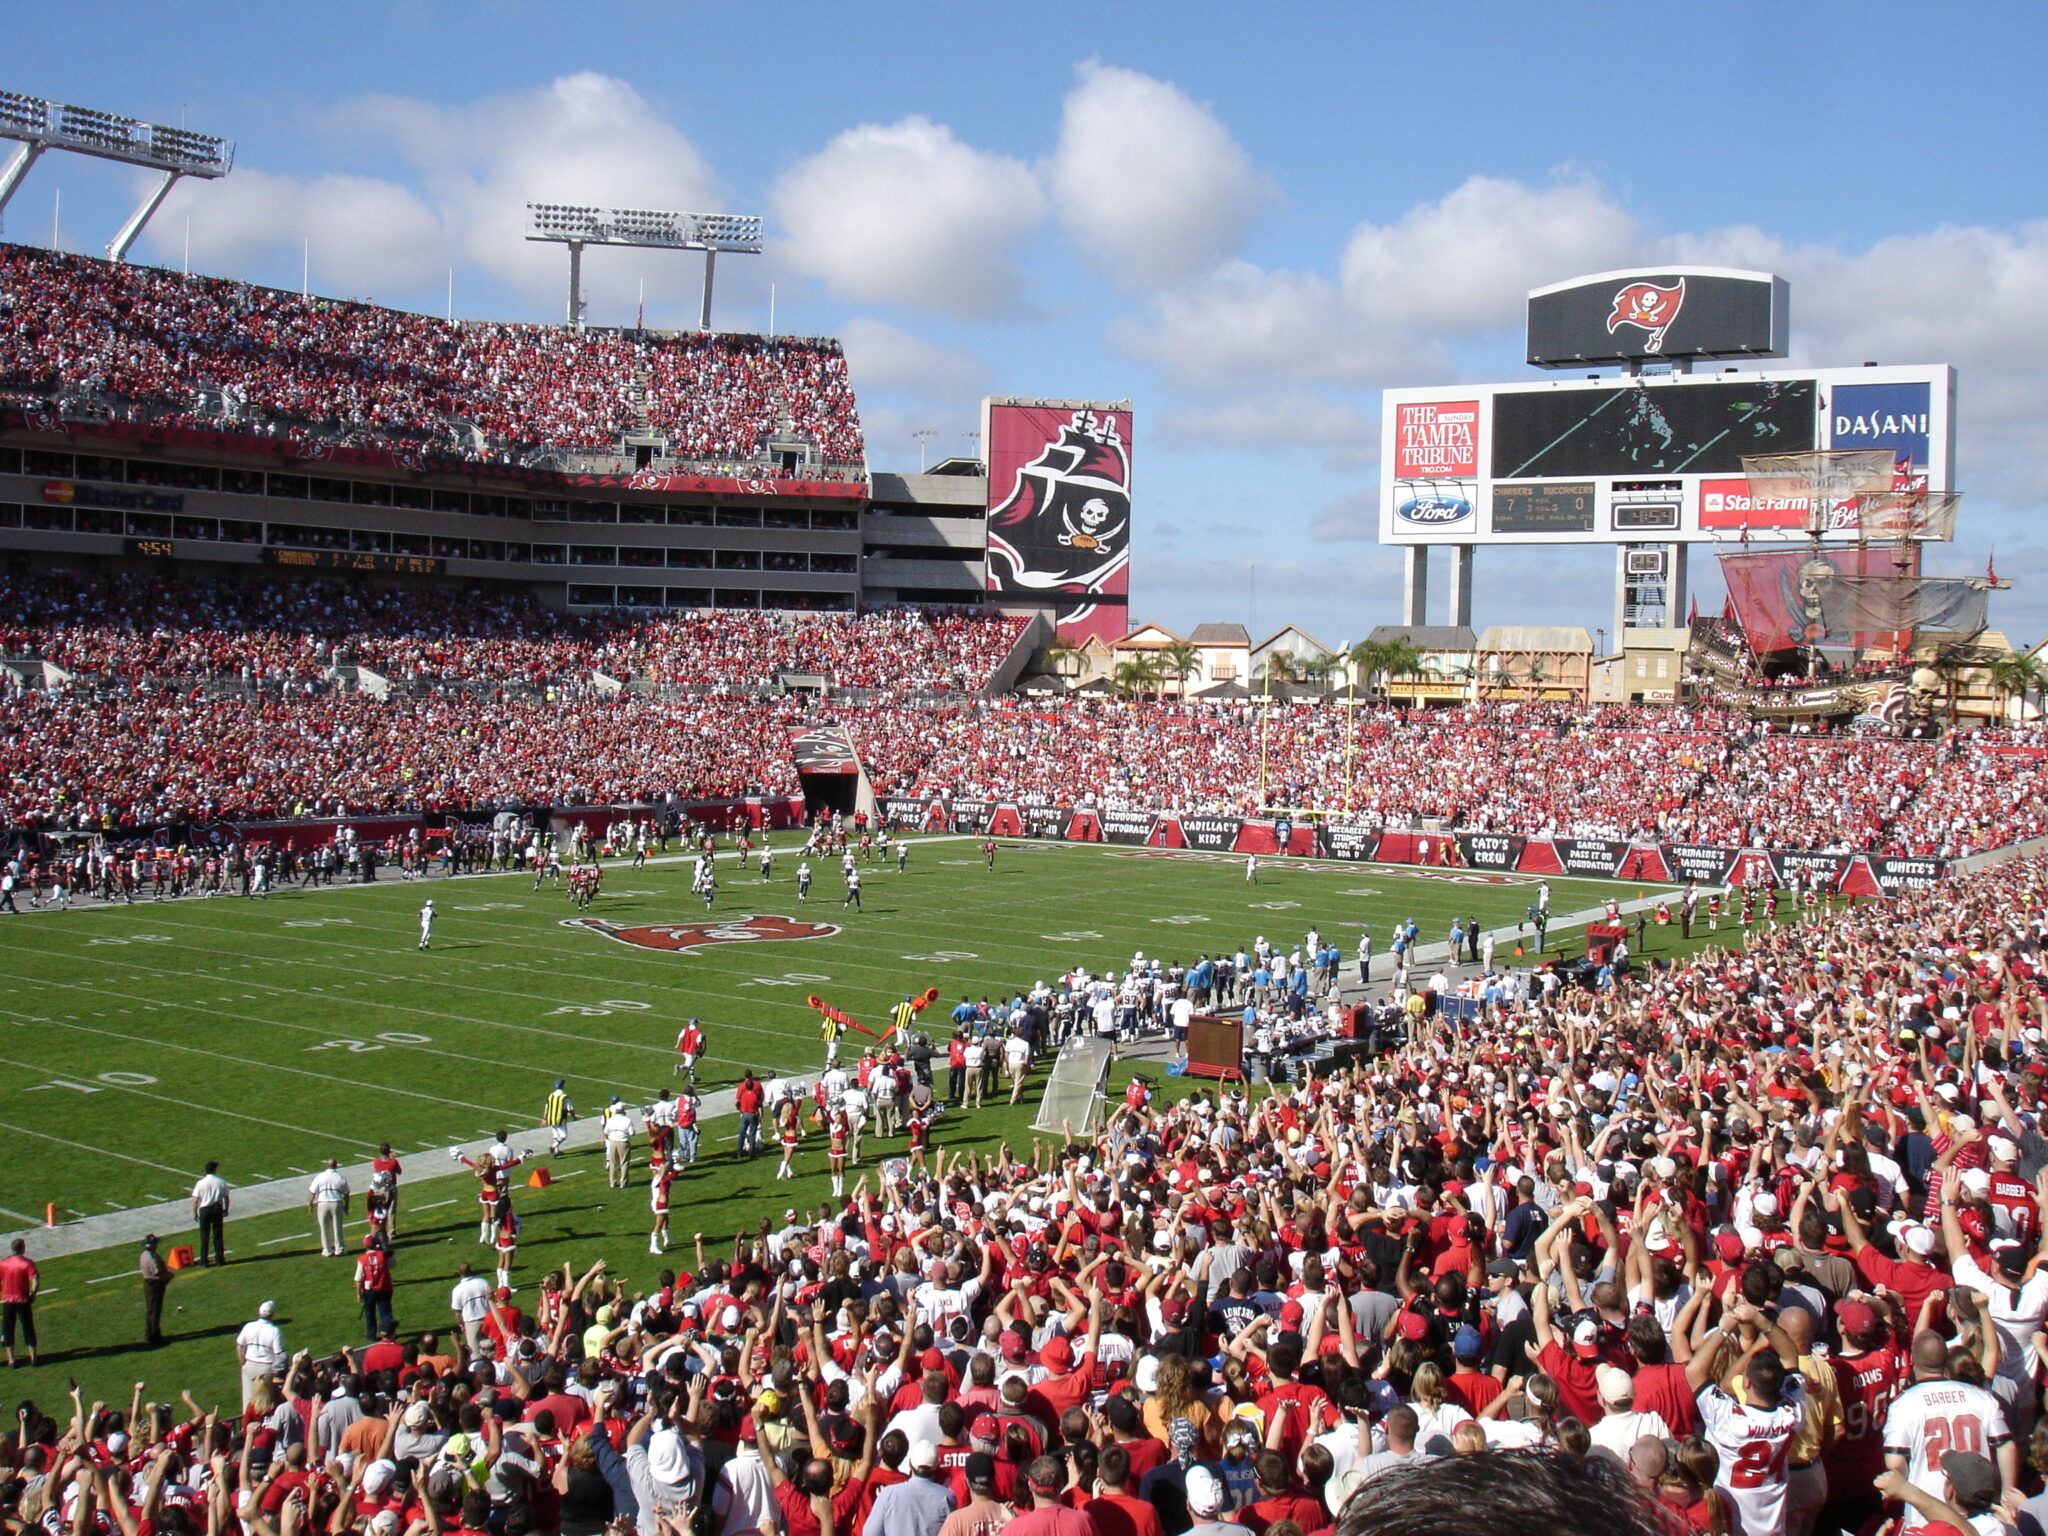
[(1205, 1504), (260, 1349), (666, 1472), (1620, 1426)]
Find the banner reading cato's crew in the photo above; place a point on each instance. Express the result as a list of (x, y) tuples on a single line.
[(1059, 511)]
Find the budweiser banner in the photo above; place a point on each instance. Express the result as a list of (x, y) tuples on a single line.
[(1490, 850), (1059, 510), (1127, 826)]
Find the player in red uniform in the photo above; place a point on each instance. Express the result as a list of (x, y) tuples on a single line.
[(689, 1048)]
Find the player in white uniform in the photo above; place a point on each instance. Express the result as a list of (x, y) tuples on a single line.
[(1935, 1416), (1750, 1419), (427, 926)]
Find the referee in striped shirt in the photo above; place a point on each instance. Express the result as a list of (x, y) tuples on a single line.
[(556, 1113)]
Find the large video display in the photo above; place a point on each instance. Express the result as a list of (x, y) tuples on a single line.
[(1655, 459)]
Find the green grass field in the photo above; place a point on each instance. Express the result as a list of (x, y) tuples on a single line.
[(141, 1041)]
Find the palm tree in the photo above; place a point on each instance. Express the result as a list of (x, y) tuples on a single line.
[(2016, 676), (1138, 676), (1501, 676), (1378, 659), (1280, 667), (1062, 658), (1319, 668), (1180, 661), (1536, 673)]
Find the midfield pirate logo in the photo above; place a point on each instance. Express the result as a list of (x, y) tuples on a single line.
[(683, 936)]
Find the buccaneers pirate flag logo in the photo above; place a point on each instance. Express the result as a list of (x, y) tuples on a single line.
[(1648, 308), (1065, 526), (686, 936)]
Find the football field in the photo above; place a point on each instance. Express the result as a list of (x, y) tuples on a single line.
[(140, 1041)]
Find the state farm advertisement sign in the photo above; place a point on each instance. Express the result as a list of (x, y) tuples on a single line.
[(1435, 438), (1730, 504)]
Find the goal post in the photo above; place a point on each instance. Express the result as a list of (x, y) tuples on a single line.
[(1074, 1092)]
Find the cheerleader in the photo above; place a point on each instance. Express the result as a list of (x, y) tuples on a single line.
[(920, 1128), (835, 1153), (664, 1171), (1714, 913), (789, 1126), (1663, 914), (509, 1223)]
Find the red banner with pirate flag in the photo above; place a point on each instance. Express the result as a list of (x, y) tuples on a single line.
[(1059, 511)]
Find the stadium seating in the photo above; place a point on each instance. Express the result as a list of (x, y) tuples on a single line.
[(202, 701), (159, 340)]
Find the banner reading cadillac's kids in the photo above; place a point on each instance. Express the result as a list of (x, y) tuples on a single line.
[(1059, 510)]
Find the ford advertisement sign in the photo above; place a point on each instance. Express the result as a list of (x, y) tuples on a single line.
[(1435, 503)]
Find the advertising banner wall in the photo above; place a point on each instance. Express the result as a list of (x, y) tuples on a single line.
[(1213, 833), (1490, 850), (1596, 856), (1046, 820), (1059, 511), (1127, 826), (1587, 857), (1339, 840)]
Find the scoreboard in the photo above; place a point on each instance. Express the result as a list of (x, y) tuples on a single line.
[(1645, 459)]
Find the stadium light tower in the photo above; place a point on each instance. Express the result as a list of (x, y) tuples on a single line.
[(39, 125), (576, 227)]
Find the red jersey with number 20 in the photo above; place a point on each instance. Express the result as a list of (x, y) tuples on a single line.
[(1931, 1418)]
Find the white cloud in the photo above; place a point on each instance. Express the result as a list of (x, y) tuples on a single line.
[(908, 385), (883, 356), (585, 138), (906, 214), (361, 236), (1146, 180), (1445, 271), (1353, 517), (1266, 422), (1465, 263), (1241, 321)]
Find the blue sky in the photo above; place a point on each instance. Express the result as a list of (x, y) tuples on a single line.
[(1246, 220)]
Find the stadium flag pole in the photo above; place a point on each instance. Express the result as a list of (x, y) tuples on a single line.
[(1350, 733), (305, 266), (771, 309), (451, 295), (1265, 719)]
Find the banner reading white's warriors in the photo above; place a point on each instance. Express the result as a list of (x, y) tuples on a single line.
[(1059, 511)]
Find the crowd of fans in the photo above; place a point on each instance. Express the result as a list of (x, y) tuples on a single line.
[(147, 732), (135, 629), (1750, 1242), (151, 752), (152, 337)]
